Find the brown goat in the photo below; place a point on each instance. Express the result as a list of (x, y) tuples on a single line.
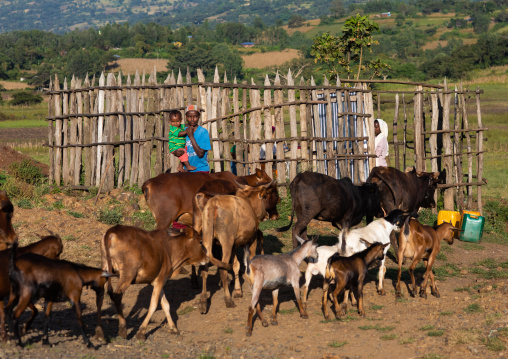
[(7, 234), (418, 241), (33, 276), (142, 257), (349, 273), (50, 247)]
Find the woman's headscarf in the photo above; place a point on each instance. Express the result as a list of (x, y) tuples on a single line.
[(384, 131)]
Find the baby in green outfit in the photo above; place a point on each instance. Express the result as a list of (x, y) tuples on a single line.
[(176, 137)]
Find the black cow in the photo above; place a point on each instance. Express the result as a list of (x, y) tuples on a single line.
[(408, 191), (318, 196)]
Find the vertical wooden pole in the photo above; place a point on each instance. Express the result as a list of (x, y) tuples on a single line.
[(80, 135), (145, 147), (341, 149), (369, 109), (245, 119), (158, 125), (87, 133), (214, 134), (304, 133), (479, 149), (129, 120), (135, 131), (318, 145), (448, 151), (109, 128), (358, 147), (433, 137), (240, 167), (51, 134), (418, 136), (267, 101), (100, 129), (65, 142), (330, 153), (73, 108), (395, 139), (293, 128), (255, 128), (226, 125), (404, 141), (280, 134), (58, 133), (469, 149), (122, 119), (458, 149)]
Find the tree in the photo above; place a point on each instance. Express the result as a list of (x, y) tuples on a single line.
[(337, 9), (296, 21), (228, 61), (481, 23), (347, 50), (25, 98)]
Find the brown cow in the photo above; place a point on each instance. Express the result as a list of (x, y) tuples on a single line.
[(140, 257), (50, 247), (7, 234), (169, 195), (234, 222), (418, 241)]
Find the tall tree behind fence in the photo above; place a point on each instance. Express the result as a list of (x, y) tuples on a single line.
[(115, 134)]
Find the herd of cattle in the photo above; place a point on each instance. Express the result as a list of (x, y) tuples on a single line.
[(223, 211)]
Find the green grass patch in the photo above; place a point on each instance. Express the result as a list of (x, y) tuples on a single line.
[(473, 308), (228, 330), (447, 313), (186, 310), (436, 333), (206, 355), (463, 289), (75, 214), (377, 307), (471, 246), (337, 344), (446, 270), (432, 356), (377, 327), (427, 327), (325, 321), (495, 344), (288, 311), (69, 238), (24, 203), (147, 222), (409, 340), (389, 337)]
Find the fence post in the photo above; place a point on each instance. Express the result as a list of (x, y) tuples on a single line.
[(479, 149), (226, 125), (418, 122), (65, 134), (447, 144), (58, 133), (267, 101), (255, 128), (304, 133), (458, 149), (358, 145), (369, 109), (135, 131), (433, 136), (79, 136), (100, 125), (319, 165), (280, 134), (51, 133), (240, 168), (469, 150), (214, 133), (395, 139), (73, 131), (293, 128), (330, 155)]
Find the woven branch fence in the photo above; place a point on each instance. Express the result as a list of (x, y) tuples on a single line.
[(115, 134)]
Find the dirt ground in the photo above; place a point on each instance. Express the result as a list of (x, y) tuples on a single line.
[(469, 319)]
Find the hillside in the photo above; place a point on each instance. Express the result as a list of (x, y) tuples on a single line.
[(59, 17)]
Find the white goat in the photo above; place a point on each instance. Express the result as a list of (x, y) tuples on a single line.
[(376, 231)]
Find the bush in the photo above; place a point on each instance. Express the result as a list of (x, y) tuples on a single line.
[(27, 171), (25, 98), (110, 216)]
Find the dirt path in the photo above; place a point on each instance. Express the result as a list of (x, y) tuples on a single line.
[(408, 328)]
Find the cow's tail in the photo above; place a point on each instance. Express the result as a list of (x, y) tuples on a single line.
[(246, 260)]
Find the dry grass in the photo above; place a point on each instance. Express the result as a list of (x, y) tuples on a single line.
[(305, 28), (434, 44), (273, 58), (130, 66), (464, 337), (11, 85)]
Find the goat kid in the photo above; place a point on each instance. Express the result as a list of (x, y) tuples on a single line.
[(376, 231), (349, 273), (50, 247), (418, 241), (272, 272), (33, 276)]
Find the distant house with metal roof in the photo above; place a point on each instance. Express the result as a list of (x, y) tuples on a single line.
[(248, 44)]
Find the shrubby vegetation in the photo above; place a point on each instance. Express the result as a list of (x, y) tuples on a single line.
[(196, 42)]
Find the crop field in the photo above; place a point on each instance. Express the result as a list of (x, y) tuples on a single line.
[(260, 60)]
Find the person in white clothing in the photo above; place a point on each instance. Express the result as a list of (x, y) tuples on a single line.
[(381, 142)]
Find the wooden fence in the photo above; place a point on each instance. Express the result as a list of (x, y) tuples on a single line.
[(115, 133)]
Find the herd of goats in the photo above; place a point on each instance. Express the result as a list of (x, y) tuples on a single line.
[(221, 209)]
